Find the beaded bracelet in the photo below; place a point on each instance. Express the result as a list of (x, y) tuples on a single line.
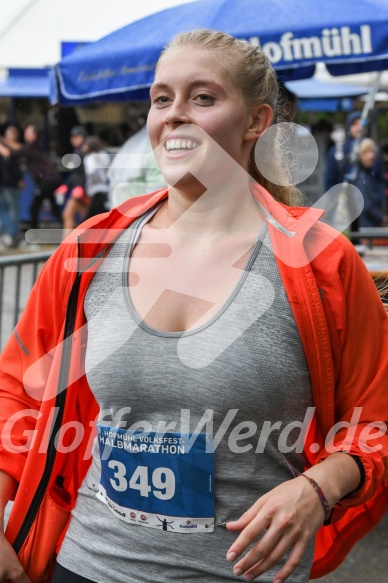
[(324, 502)]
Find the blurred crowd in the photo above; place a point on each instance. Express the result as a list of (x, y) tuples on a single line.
[(84, 182), (355, 159), (92, 178)]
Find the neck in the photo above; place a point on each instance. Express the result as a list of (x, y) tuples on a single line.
[(231, 210)]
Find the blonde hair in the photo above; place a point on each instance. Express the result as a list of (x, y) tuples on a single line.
[(367, 144), (251, 70)]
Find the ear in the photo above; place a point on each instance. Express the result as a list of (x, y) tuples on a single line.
[(259, 120)]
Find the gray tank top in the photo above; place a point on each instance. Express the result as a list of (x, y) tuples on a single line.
[(243, 372)]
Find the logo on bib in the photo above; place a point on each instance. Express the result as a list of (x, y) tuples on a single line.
[(165, 525)]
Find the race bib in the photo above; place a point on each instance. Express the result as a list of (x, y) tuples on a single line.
[(159, 480)]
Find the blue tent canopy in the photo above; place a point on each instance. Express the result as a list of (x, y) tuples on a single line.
[(348, 36), (317, 95), (26, 83)]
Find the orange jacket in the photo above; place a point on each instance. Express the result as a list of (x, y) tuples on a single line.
[(47, 411)]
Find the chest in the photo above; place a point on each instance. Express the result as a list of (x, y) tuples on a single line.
[(251, 342), (175, 288)]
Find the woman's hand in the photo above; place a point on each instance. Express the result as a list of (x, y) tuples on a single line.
[(290, 515), (10, 568), (5, 152)]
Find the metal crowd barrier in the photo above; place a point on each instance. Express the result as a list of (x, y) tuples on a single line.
[(370, 233), (17, 276)]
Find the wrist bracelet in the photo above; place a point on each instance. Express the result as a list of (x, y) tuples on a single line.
[(324, 502)]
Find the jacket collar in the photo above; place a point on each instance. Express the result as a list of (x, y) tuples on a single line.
[(288, 225)]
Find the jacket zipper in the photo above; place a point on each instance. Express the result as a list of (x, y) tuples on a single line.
[(60, 403), (270, 219)]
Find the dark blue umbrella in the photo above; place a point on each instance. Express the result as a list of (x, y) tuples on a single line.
[(350, 36)]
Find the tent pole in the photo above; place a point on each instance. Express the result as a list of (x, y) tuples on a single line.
[(368, 106), (369, 103)]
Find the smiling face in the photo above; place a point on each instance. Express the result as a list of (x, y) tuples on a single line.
[(193, 97)]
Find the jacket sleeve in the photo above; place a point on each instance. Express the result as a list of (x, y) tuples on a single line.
[(380, 178), (361, 395), (373, 211), (373, 200), (332, 174), (33, 341)]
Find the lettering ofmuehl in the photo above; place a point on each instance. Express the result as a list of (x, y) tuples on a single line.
[(333, 42)]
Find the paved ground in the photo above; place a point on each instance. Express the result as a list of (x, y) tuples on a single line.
[(367, 562)]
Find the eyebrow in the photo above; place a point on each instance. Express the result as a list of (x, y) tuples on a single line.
[(193, 85)]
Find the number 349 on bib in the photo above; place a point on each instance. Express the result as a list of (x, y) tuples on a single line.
[(162, 480)]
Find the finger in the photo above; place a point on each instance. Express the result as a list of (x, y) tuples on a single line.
[(276, 556), (248, 535), (245, 518), (292, 563), (241, 522), (261, 551)]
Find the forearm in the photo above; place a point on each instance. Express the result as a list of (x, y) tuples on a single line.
[(337, 475)]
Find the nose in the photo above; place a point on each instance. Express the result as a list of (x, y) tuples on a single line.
[(178, 113)]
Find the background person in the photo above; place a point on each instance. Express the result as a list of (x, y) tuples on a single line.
[(340, 168), (10, 185), (72, 192), (78, 135), (43, 172), (89, 196), (96, 163), (370, 186), (338, 164), (163, 283)]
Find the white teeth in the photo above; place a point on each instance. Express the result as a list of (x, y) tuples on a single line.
[(174, 145)]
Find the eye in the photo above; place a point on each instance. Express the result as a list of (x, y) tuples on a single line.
[(160, 100), (204, 99)]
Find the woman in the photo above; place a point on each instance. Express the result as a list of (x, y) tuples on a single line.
[(372, 189), (222, 347)]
